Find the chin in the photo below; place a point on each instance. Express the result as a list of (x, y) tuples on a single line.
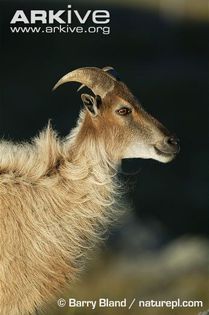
[(151, 153), (165, 158)]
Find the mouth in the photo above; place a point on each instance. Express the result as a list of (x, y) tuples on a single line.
[(164, 153)]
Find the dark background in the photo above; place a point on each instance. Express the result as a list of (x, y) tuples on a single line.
[(160, 250), (163, 60)]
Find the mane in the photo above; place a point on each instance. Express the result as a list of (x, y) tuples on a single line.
[(31, 161), (62, 202)]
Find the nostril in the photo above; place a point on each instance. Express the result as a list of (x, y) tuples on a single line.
[(173, 141), (170, 145)]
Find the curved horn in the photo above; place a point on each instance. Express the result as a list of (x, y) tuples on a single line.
[(112, 72), (96, 79), (106, 69)]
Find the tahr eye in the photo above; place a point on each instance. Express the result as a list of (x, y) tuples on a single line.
[(123, 111)]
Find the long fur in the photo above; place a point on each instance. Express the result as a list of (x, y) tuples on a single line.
[(56, 199)]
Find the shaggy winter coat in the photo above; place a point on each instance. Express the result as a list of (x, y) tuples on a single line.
[(56, 199)]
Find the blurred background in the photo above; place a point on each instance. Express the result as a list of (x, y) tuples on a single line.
[(160, 49)]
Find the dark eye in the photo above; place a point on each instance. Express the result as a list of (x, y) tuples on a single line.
[(123, 111)]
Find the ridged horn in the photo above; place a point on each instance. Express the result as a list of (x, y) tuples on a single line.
[(96, 79), (106, 69)]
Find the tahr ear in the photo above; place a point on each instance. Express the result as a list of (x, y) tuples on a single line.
[(92, 103)]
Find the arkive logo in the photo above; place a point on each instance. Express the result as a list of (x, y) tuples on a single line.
[(62, 21)]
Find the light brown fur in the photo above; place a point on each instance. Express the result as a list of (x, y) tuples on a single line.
[(57, 197), (56, 200)]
